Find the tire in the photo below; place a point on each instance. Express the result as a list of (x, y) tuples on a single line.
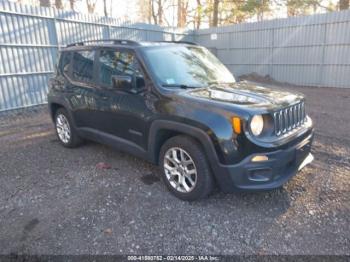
[(68, 136), (185, 169)]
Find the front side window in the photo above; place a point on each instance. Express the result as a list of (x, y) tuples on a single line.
[(118, 63), (83, 66)]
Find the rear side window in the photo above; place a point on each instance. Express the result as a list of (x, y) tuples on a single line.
[(64, 62), (117, 63), (83, 66)]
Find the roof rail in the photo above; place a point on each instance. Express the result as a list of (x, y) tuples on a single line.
[(111, 41), (177, 42)]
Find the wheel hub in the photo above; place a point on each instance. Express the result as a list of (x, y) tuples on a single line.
[(180, 170), (63, 128)]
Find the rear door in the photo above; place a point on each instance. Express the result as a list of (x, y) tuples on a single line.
[(85, 95)]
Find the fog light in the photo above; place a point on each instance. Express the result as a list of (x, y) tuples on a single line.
[(260, 158)]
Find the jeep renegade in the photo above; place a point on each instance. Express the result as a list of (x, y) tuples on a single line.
[(176, 105)]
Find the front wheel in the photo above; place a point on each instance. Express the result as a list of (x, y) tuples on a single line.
[(186, 172)]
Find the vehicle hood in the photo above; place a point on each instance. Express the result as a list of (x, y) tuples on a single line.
[(248, 94)]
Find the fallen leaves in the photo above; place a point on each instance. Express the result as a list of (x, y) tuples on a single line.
[(108, 231), (103, 165)]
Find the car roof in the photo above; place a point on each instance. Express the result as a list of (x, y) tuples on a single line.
[(117, 43)]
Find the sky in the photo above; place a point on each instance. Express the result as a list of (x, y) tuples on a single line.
[(120, 8)]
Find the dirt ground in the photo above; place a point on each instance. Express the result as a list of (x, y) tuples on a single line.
[(55, 200)]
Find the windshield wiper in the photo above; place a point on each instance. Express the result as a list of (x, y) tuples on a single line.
[(219, 82), (180, 86)]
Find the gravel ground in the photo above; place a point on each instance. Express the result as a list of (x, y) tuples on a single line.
[(55, 200)]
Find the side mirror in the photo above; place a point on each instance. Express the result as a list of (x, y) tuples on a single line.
[(122, 82)]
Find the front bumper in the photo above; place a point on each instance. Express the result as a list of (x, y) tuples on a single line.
[(272, 173)]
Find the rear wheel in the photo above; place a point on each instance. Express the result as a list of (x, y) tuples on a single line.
[(186, 172), (65, 131)]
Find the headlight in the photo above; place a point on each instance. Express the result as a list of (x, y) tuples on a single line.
[(257, 125)]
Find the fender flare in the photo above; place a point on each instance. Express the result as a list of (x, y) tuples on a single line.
[(63, 104), (200, 135)]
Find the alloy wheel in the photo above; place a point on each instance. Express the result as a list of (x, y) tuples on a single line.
[(180, 170), (63, 128)]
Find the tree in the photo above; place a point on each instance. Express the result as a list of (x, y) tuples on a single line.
[(215, 13), (182, 13), (160, 12), (154, 15), (157, 15), (105, 8), (233, 12), (58, 4), (91, 5), (299, 7), (199, 11), (307, 7), (72, 4), (45, 3), (257, 8), (144, 10), (344, 4)]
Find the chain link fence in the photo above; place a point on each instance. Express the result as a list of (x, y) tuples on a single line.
[(312, 50), (31, 36)]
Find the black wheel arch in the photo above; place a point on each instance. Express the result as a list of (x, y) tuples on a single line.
[(55, 104), (162, 130), (172, 128), (53, 109)]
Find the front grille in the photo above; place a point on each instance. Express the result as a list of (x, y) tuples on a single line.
[(290, 118)]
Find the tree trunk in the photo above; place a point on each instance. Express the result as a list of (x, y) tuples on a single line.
[(45, 3), (157, 17), (149, 11), (260, 12), (90, 6), (184, 14), (160, 12), (59, 4), (215, 13), (71, 4), (155, 20), (343, 4), (105, 8), (179, 7), (111, 8), (199, 14), (182, 7)]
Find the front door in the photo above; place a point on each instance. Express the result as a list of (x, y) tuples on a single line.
[(125, 113)]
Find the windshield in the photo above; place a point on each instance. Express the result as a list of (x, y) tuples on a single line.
[(190, 66)]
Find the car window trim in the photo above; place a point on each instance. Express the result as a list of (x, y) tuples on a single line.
[(93, 83), (115, 49), (62, 56)]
